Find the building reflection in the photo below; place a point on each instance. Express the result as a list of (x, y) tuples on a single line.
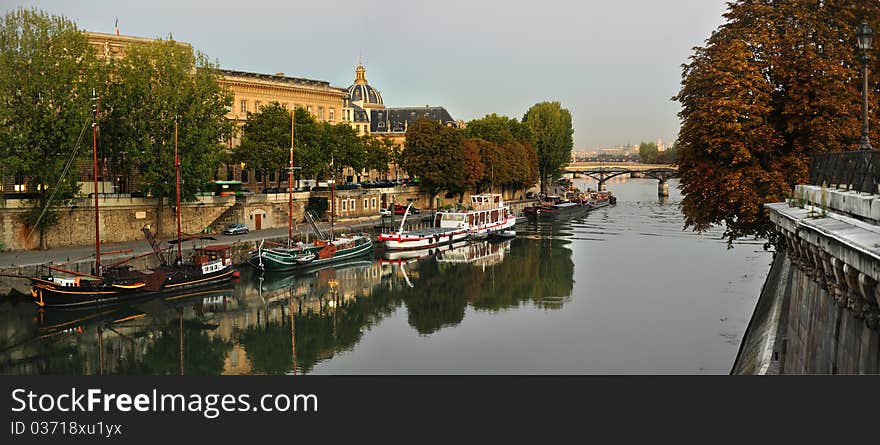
[(286, 324)]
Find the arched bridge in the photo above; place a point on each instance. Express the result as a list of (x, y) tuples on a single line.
[(602, 173)]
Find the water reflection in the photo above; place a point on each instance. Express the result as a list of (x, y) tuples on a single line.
[(622, 289), (275, 324)]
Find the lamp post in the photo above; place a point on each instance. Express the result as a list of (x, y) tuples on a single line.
[(865, 38)]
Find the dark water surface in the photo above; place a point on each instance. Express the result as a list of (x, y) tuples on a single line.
[(621, 290)]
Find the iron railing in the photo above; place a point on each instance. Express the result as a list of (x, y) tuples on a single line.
[(847, 170)]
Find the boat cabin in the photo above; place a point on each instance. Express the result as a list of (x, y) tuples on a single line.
[(209, 254), (485, 209)]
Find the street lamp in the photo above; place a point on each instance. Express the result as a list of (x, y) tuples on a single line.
[(865, 37)]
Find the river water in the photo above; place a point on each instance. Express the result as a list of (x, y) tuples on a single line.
[(621, 290)]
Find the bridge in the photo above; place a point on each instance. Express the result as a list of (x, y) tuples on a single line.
[(603, 171)]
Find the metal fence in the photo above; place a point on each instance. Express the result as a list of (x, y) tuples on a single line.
[(847, 170)]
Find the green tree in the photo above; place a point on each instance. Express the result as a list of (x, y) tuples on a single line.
[(155, 85), (47, 75), (553, 136), (345, 148), (775, 83), (308, 152), (378, 154), (265, 142), (648, 152), (433, 154)]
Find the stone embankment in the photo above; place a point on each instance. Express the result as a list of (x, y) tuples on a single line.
[(819, 311), (81, 259)]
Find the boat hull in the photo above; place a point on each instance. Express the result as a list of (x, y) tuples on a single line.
[(273, 260), (47, 294)]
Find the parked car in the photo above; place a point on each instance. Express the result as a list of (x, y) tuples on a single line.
[(400, 209), (235, 229), (243, 192), (349, 186), (384, 212)]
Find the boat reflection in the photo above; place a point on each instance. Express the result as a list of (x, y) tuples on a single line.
[(279, 324)]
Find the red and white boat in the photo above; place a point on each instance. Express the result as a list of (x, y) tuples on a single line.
[(486, 214)]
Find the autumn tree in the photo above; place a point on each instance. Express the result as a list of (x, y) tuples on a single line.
[(553, 136), (47, 74), (433, 154), (473, 167), (153, 87), (265, 141), (506, 150), (775, 83)]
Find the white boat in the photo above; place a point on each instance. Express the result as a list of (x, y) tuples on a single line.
[(486, 214)]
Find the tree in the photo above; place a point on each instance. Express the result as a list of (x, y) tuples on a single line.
[(777, 82), (265, 142), (473, 167), (47, 75), (308, 151), (378, 154), (433, 154), (648, 152), (344, 147), (553, 136), (511, 160), (153, 86)]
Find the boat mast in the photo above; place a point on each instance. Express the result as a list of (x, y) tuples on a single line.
[(290, 184), (95, 174), (177, 171), (332, 197)]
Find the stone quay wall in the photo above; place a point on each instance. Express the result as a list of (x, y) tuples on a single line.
[(819, 311), (121, 219)]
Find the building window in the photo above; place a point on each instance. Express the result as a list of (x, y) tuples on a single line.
[(272, 177), (332, 114), (309, 108), (320, 112), (228, 172), (365, 204), (351, 204), (243, 106), (344, 205), (244, 176), (373, 203), (256, 106), (258, 176), (284, 105)]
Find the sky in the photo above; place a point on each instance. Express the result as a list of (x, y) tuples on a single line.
[(615, 64)]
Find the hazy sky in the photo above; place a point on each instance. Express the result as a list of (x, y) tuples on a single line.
[(614, 63)]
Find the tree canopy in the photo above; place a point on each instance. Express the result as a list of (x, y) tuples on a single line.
[(433, 154), (265, 142), (154, 86), (778, 81), (47, 74), (553, 136), (648, 152)]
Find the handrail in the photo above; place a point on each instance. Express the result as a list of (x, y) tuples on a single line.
[(846, 170)]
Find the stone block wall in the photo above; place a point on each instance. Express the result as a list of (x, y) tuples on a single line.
[(120, 220)]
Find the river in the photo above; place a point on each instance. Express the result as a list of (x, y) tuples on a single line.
[(621, 290)]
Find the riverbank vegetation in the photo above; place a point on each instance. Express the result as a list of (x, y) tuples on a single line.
[(775, 83)]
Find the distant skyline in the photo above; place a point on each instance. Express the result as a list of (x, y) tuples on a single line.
[(615, 65)]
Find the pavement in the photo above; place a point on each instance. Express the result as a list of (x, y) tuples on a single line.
[(23, 258)]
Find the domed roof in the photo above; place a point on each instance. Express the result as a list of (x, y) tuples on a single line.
[(362, 92)]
